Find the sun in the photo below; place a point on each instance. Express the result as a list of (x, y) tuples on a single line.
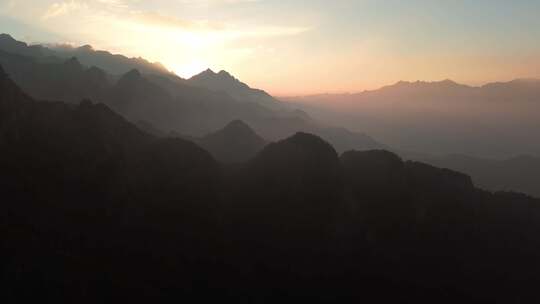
[(189, 69)]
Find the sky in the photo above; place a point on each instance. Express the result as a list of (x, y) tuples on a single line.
[(299, 47)]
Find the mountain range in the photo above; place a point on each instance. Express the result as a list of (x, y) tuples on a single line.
[(498, 120), (94, 208), (144, 187), (425, 121), (147, 92), (489, 132)]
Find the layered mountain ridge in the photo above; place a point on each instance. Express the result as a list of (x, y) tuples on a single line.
[(193, 107), (95, 208)]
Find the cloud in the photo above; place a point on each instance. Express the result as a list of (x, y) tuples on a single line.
[(62, 8), (159, 20), (152, 19)]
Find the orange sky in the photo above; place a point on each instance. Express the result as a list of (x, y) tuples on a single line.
[(300, 47)]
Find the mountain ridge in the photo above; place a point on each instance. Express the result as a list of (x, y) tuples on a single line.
[(167, 102)]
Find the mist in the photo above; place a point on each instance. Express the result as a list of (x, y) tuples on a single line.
[(145, 156)]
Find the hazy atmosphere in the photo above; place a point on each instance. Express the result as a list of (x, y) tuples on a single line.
[(259, 151), (338, 46)]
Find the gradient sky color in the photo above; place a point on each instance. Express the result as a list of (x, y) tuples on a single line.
[(300, 46)]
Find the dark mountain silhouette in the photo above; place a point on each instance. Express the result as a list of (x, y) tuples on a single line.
[(296, 183), (93, 208), (137, 98), (9, 44), (235, 143), (173, 107), (62, 80), (68, 176)]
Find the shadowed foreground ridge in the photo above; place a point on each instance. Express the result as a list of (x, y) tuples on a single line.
[(93, 208)]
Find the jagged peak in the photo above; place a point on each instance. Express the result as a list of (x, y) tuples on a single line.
[(207, 72), (210, 74)]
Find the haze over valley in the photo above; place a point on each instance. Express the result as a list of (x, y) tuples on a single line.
[(186, 150)]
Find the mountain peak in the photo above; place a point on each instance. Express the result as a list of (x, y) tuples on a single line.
[(224, 73), (311, 142), (86, 48), (132, 75), (238, 126), (10, 44), (222, 81), (237, 129), (6, 37), (210, 75), (206, 73), (236, 142), (130, 78)]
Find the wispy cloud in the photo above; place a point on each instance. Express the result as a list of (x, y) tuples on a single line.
[(227, 30), (62, 8), (159, 20)]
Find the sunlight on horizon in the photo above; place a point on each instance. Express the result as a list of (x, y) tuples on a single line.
[(188, 70), (288, 48)]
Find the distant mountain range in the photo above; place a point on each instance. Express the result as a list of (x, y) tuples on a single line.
[(114, 64), (148, 92), (490, 126), (432, 118), (94, 208), (498, 120)]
